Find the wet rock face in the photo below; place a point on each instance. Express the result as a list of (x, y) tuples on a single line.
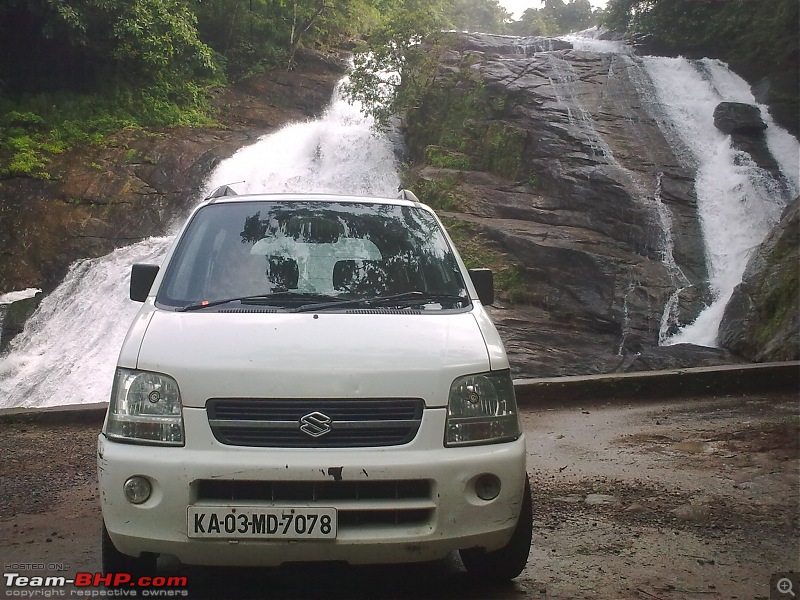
[(780, 92), (563, 169), (506, 45), (762, 319), (141, 182), (13, 317)]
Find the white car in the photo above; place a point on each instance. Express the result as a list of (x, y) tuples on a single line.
[(313, 378)]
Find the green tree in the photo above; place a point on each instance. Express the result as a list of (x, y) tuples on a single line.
[(534, 23), (486, 16), (764, 32), (394, 68), (555, 18), (249, 35), (53, 44), (157, 38)]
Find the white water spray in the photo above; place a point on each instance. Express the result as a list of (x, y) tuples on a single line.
[(68, 350), (738, 202)]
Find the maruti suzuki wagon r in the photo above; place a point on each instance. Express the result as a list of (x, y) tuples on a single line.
[(313, 378)]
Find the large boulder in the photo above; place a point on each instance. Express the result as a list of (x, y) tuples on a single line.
[(13, 317), (739, 118), (743, 122), (762, 319)]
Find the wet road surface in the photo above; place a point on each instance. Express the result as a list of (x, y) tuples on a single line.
[(696, 498)]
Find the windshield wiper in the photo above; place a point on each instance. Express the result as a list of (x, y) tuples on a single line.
[(276, 298), (393, 300)]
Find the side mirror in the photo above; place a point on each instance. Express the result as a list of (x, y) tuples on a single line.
[(142, 278), (483, 280)]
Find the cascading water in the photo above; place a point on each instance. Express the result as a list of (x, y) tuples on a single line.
[(68, 350), (563, 89), (738, 202)]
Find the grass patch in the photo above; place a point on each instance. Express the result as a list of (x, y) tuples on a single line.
[(439, 194), (35, 128), (447, 159), (477, 251)]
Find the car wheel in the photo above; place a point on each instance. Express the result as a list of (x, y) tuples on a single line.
[(510, 560), (114, 561)]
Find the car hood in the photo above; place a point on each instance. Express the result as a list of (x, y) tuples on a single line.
[(306, 355)]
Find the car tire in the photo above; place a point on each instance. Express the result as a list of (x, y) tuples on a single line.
[(114, 561), (509, 561)]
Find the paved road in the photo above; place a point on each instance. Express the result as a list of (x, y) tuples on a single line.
[(695, 498)]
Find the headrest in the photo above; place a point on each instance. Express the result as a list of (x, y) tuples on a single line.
[(359, 276), (283, 273)]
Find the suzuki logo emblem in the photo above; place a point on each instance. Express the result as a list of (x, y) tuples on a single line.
[(315, 424)]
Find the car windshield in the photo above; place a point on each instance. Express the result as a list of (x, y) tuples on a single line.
[(296, 254)]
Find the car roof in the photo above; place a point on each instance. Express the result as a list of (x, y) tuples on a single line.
[(225, 195)]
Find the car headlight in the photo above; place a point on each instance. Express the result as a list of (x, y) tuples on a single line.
[(482, 409), (145, 408)]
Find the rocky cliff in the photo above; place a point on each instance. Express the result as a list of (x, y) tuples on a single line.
[(549, 167), (762, 319)]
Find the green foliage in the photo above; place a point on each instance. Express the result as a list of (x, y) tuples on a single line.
[(393, 69), (486, 16), (251, 35), (447, 159), (556, 17), (478, 251), (764, 32), (158, 40), (23, 119), (439, 194), (84, 44), (457, 123), (26, 158), (54, 123), (505, 147)]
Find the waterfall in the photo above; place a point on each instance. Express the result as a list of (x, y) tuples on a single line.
[(339, 153), (68, 350), (738, 202), (562, 83)]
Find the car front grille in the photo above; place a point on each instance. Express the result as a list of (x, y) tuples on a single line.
[(314, 423)]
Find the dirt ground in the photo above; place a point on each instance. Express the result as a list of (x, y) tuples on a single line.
[(698, 498)]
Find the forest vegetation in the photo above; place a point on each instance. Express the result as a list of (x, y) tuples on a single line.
[(764, 34), (75, 71)]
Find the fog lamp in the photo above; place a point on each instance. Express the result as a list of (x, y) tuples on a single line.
[(487, 487), (137, 489)]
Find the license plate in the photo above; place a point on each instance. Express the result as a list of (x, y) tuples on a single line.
[(280, 523)]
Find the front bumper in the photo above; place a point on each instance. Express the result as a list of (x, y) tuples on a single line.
[(454, 517)]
